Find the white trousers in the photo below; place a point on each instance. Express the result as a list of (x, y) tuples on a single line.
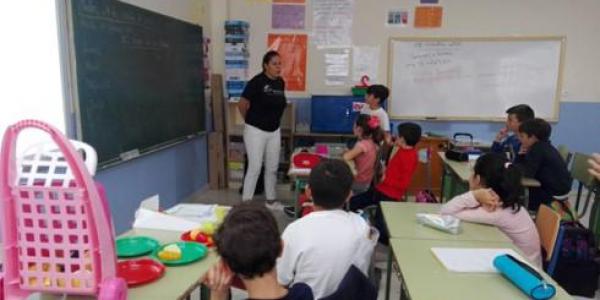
[(261, 146)]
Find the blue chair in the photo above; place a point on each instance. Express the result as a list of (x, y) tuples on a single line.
[(354, 286)]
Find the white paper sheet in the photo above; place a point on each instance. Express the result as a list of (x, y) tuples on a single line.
[(365, 61), (148, 219), (151, 203), (337, 66), (197, 213), (332, 23), (471, 260)]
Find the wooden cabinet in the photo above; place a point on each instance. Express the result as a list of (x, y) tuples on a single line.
[(429, 175), (235, 143)]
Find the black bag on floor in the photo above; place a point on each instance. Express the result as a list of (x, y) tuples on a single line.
[(578, 264)]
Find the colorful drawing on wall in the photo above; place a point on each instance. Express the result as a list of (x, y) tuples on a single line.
[(292, 48), (285, 16), (428, 16), (397, 18)]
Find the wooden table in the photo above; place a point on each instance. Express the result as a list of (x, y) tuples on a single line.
[(400, 219), (424, 277), (177, 282)]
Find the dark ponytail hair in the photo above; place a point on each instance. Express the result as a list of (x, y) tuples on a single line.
[(267, 58), (376, 134), (504, 180)]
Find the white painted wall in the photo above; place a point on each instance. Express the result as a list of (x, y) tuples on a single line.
[(578, 20), (30, 72), (193, 11)]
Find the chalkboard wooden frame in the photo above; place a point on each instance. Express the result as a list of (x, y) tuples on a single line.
[(559, 83), (146, 114)]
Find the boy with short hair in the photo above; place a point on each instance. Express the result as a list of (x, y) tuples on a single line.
[(516, 115), (320, 247), (375, 97), (540, 160), (248, 242), (402, 165)]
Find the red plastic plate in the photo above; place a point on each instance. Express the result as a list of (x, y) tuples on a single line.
[(140, 271)]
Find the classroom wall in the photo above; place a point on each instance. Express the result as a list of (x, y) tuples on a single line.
[(576, 20), (174, 173)]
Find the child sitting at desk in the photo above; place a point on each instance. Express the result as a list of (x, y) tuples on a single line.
[(320, 247), (503, 142), (248, 242), (364, 153), (495, 199), (540, 160), (397, 176)]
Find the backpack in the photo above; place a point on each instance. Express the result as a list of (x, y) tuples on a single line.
[(578, 263), (425, 196)]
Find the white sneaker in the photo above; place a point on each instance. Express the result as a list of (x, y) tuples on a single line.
[(274, 205)]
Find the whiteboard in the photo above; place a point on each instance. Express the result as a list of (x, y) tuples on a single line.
[(473, 78)]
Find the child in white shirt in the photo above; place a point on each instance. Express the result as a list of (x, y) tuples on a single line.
[(320, 247), (374, 100)]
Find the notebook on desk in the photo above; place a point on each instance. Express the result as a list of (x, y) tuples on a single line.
[(471, 260)]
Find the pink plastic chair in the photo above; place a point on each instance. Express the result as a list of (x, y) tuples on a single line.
[(52, 217)]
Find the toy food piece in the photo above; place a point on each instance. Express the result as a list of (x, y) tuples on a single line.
[(220, 213), (194, 234), (170, 252), (208, 228)]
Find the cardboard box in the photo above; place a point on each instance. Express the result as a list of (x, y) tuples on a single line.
[(216, 161)]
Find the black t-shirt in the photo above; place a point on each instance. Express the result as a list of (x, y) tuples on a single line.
[(267, 102), (543, 162), (299, 291)]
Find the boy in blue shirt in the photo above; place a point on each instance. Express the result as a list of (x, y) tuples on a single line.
[(510, 143)]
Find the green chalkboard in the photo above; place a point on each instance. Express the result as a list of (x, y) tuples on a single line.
[(139, 78)]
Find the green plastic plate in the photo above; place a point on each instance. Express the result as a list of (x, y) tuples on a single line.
[(190, 252), (135, 246)]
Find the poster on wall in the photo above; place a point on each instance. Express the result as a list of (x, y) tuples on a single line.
[(428, 16), (332, 23), (337, 66), (284, 16), (292, 49), (365, 61)]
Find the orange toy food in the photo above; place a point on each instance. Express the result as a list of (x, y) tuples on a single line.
[(170, 252)]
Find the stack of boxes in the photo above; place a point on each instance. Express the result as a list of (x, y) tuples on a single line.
[(236, 57), (236, 161)]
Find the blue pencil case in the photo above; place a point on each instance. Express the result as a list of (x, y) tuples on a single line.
[(524, 277)]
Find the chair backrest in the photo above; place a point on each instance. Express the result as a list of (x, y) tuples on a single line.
[(564, 153), (354, 286), (579, 169), (548, 225), (378, 166)]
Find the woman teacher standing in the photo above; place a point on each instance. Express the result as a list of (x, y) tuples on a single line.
[(262, 105)]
